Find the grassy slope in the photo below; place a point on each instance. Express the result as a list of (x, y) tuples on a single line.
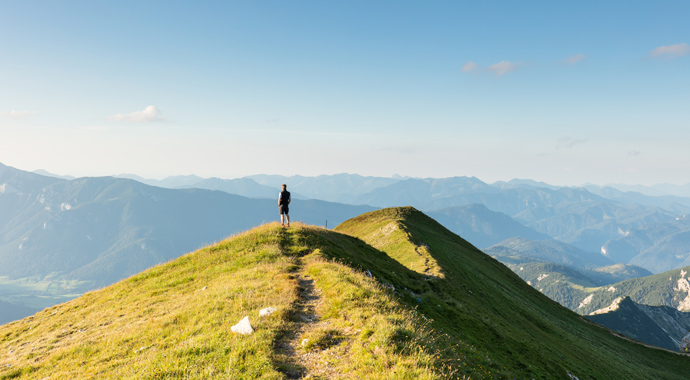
[(173, 321), (518, 331), (369, 315)]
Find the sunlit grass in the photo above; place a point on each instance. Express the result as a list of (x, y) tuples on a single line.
[(376, 316), (172, 321)]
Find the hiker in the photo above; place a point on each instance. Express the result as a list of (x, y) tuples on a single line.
[(283, 202)]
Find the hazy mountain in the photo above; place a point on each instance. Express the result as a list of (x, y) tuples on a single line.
[(668, 202), (550, 251), (614, 273), (657, 247), (660, 326), (662, 189), (342, 188), (431, 193), (670, 252), (18, 190), (173, 182), (523, 183), (243, 186), (481, 226), (46, 173), (589, 224)]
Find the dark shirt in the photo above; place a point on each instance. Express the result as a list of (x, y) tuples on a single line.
[(284, 197)]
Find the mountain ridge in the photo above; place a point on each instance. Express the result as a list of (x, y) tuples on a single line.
[(174, 320)]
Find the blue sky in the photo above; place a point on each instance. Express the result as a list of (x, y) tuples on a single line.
[(561, 92)]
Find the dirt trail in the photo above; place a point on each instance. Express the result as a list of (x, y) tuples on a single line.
[(291, 358)]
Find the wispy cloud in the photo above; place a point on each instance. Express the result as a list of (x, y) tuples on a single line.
[(569, 142), (497, 69), (17, 114), (470, 67), (634, 153), (574, 59), (671, 51), (502, 68), (149, 114)]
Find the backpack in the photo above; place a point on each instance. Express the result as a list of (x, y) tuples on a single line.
[(284, 197)]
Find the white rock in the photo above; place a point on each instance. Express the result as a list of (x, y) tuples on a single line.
[(267, 311), (304, 342), (685, 344), (243, 327)]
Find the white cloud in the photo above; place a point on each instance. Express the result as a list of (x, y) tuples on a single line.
[(149, 114), (634, 153), (671, 51), (17, 114), (502, 68), (470, 67), (569, 142), (575, 59)]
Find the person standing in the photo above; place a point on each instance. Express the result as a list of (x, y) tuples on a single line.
[(283, 202)]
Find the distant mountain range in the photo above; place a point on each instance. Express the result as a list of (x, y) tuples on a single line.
[(483, 227), (598, 219), (664, 189), (657, 246), (62, 235), (92, 232), (519, 250)]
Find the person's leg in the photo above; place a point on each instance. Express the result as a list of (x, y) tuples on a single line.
[(282, 219), (288, 219)]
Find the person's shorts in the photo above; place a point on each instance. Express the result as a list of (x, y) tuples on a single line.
[(283, 209)]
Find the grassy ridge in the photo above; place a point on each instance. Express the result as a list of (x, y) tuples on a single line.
[(520, 332), (389, 295), (173, 321)]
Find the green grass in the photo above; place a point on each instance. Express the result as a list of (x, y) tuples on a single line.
[(417, 302), (517, 331), (173, 321)]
